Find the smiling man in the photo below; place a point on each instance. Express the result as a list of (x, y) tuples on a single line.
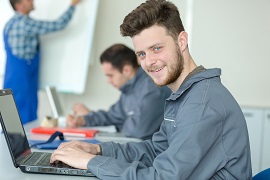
[(204, 133)]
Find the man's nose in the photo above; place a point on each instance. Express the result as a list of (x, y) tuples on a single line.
[(150, 59)]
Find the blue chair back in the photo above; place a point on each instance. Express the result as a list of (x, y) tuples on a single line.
[(263, 175)]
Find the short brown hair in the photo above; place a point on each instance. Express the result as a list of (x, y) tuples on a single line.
[(153, 12), (119, 55)]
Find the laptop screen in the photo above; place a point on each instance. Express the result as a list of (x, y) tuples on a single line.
[(12, 125), (54, 101)]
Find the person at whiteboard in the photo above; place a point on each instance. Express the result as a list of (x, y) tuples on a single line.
[(21, 38), (139, 111), (204, 135)]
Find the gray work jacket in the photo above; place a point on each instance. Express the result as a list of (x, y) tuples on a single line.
[(203, 136), (139, 111)]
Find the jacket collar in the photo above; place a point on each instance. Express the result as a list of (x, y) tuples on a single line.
[(206, 74), (126, 87)]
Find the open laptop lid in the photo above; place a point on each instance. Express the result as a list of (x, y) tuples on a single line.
[(54, 101), (17, 140), (12, 127)]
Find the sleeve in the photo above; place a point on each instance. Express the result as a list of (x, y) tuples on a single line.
[(42, 27), (130, 158), (115, 116), (148, 116), (187, 155)]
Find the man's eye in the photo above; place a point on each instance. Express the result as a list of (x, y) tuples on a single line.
[(157, 48), (141, 54)]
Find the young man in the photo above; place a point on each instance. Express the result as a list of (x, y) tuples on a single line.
[(204, 133), (139, 111), (21, 36)]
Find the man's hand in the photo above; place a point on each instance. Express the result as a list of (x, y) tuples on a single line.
[(75, 153), (75, 2), (80, 109), (86, 147), (74, 121)]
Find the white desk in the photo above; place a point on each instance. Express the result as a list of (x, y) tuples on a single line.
[(8, 171)]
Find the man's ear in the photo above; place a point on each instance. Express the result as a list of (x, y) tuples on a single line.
[(183, 40), (127, 70)]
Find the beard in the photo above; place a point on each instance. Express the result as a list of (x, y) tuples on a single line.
[(174, 70)]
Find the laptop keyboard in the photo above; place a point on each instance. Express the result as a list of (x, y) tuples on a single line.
[(39, 157), (43, 159)]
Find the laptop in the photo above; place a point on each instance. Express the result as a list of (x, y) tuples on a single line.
[(21, 154), (57, 111), (54, 101)]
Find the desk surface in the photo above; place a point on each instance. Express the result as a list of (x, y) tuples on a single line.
[(8, 171)]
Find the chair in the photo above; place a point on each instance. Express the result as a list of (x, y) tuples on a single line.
[(263, 175)]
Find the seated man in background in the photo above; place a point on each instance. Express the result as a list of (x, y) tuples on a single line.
[(139, 111)]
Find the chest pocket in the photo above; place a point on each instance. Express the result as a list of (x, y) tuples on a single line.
[(170, 125)]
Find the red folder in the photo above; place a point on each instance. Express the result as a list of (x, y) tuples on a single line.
[(66, 131)]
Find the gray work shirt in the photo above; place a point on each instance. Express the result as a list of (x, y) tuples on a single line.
[(203, 136), (139, 111)]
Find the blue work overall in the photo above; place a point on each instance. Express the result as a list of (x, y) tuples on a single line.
[(22, 77)]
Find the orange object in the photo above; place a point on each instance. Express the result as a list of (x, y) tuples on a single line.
[(66, 131)]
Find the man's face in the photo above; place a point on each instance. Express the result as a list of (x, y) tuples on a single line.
[(28, 5), (159, 54), (114, 77)]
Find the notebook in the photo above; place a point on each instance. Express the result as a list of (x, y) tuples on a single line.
[(21, 154), (80, 132)]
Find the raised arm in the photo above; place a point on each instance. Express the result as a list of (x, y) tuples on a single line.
[(34, 27)]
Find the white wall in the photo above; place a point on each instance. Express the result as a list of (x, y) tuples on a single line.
[(234, 35), (230, 34)]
